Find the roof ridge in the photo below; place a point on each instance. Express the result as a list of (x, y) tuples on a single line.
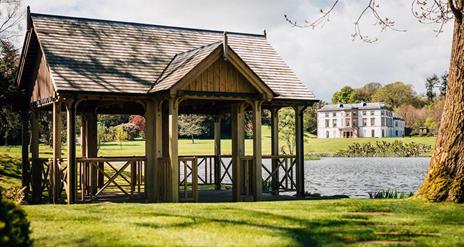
[(200, 47), (145, 24), (162, 75)]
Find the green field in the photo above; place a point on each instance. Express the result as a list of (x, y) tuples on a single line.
[(313, 146), (285, 223), (289, 223)]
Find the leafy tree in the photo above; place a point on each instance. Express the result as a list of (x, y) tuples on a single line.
[(9, 94), (121, 134), (345, 95), (365, 93), (287, 130), (444, 180), (310, 118), (396, 94), (191, 125), (443, 84), (113, 120), (138, 121), (430, 84)]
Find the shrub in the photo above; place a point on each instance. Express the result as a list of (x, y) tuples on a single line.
[(14, 226), (389, 194), (15, 194), (132, 131), (385, 149)]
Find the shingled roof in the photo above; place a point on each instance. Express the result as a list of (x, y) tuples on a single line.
[(89, 55)]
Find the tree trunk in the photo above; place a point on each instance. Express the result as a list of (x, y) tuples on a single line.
[(193, 140), (444, 180)]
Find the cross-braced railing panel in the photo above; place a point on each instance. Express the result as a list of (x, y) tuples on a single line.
[(188, 175), (110, 176), (280, 171)]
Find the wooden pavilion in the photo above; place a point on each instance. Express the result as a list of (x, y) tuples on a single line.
[(86, 67)]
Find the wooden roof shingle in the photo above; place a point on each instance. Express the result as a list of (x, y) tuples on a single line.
[(89, 55)]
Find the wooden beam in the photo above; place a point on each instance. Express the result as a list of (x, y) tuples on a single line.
[(159, 185), (217, 152), (55, 174), (37, 167), (96, 177), (257, 179), (25, 171), (275, 149), (151, 152), (173, 188), (299, 136), (71, 145), (238, 146), (83, 135)]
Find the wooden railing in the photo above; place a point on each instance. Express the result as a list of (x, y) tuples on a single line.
[(189, 181), (280, 171), (125, 175), (112, 175)]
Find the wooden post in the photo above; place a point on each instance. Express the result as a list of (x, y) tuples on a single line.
[(173, 192), (158, 128), (96, 178), (217, 152), (256, 178), (25, 164), (238, 145), (165, 170), (71, 138), (83, 135), (55, 174), (37, 167), (152, 151), (275, 150), (299, 135)]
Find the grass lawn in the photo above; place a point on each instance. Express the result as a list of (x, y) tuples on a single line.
[(313, 146), (296, 223)]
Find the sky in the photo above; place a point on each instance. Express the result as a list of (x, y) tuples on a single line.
[(325, 58)]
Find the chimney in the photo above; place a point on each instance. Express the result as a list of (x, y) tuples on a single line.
[(225, 47)]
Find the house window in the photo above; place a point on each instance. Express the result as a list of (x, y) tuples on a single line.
[(372, 133), (347, 122), (355, 123), (364, 123), (383, 133), (372, 113), (364, 113), (396, 132), (396, 124), (383, 113), (327, 134), (326, 114), (334, 123), (383, 121), (334, 114), (372, 121), (327, 122)]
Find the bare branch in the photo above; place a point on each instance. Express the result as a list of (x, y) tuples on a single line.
[(371, 7), (437, 12), (434, 12), (10, 16), (319, 21)]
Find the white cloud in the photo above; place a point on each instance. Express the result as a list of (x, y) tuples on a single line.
[(325, 59)]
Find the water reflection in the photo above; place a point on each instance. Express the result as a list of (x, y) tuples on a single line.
[(357, 176)]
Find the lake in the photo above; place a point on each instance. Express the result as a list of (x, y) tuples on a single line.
[(355, 177)]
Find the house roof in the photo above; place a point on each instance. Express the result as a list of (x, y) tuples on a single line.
[(360, 106), (89, 55)]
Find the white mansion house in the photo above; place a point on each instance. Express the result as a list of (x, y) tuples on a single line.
[(358, 120)]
